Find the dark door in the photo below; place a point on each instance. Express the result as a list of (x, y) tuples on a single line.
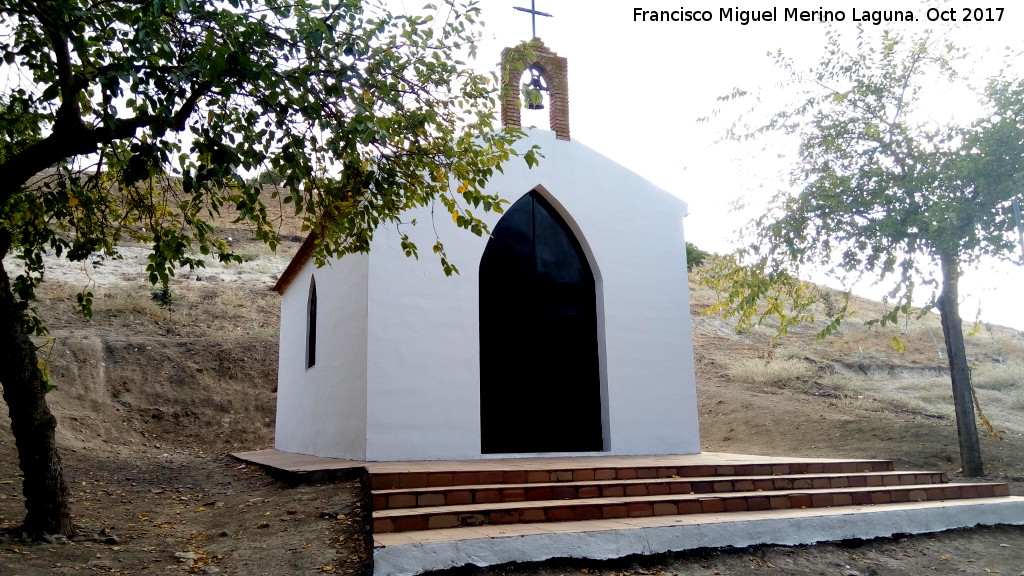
[(539, 382)]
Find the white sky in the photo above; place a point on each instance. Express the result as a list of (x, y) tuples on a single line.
[(636, 90)]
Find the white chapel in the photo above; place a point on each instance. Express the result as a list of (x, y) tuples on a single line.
[(567, 331)]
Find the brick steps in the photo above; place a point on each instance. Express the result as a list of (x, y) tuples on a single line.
[(437, 496), (468, 476), (539, 491), (439, 517)]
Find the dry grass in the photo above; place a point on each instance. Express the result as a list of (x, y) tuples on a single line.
[(912, 405), (938, 394), (234, 302), (1017, 400), (127, 301), (253, 251), (1004, 376), (774, 371), (840, 382), (197, 309)]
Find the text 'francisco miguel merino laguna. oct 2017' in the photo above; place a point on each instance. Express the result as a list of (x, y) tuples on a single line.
[(776, 14)]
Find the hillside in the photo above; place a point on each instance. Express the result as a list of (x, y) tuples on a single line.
[(151, 398)]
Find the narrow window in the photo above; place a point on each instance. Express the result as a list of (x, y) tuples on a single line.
[(311, 325)]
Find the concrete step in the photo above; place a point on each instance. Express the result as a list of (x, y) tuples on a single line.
[(440, 517), (411, 553), (491, 493)]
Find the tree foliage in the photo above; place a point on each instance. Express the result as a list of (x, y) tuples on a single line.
[(882, 188), (124, 120), (695, 257), (362, 112), (754, 295)]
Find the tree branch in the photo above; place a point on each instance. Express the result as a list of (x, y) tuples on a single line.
[(70, 111), (188, 106), (73, 139)]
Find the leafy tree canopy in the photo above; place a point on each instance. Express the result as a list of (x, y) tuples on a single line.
[(880, 188), (166, 106)]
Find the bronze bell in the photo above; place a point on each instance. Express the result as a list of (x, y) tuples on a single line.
[(532, 91)]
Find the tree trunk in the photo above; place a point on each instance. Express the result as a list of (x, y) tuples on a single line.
[(960, 373), (46, 492)]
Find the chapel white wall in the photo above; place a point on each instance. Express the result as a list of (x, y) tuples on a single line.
[(322, 410), (423, 339)]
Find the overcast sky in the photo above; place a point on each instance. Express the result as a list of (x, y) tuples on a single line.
[(637, 88)]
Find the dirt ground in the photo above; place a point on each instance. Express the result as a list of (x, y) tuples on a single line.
[(151, 401)]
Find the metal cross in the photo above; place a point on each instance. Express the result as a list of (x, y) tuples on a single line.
[(532, 10)]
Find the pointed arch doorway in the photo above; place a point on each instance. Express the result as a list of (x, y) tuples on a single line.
[(540, 387)]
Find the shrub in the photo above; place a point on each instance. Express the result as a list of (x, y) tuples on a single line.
[(694, 256), (162, 294)]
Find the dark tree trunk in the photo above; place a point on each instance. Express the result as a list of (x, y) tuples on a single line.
[(46, 492), (963, 400)]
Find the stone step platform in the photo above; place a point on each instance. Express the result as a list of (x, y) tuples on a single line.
[(875, 502), (441, 517), (493, 493)]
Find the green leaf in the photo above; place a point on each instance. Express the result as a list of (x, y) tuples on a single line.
[(897, 344)]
